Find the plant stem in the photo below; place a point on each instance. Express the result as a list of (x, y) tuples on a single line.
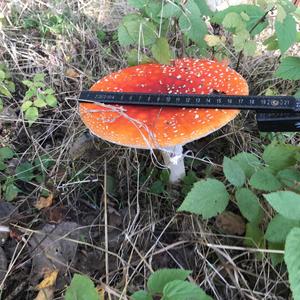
[(173, 159)]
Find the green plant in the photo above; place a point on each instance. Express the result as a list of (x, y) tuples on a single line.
[(26, 171), (274, 179), (160, 31), (48, 23), (37, 96), (6, 85), (170, 284), (81, 288)]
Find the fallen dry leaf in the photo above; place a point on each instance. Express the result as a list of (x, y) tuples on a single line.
[(230, 223), (44, 202), (45, 294), (48, 281), (70, 72), (101, 292)]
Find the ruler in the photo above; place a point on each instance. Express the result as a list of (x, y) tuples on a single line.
[(275, 113)]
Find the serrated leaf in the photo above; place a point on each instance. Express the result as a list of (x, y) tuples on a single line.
[(32, 114), (11, 192), (25, 172), (285, 203), (207, 198), (25, 105), (141, 295), (81, 288), (279, 227), (158, 280), (286, 33), (51, 100), (254, 236), (264, 180), (248, 162), (191, 22), (248, 204), (233, 172), (183, 290), (6, 153), (292, 260), (289, 68), (152, 10), (280, 156), (161, 51)]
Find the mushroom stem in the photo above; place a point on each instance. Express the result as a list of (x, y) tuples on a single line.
[(173, 159)]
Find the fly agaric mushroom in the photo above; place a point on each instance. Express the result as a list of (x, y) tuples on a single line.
[(164, 128)]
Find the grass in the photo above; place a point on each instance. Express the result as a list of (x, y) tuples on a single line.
[(127, 231)]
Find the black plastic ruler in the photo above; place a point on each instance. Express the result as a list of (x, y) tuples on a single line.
[(275, 113)]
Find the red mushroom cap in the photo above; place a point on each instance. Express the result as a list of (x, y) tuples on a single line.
[(159, 127)]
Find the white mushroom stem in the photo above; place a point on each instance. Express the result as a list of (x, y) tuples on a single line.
[(174, 161)]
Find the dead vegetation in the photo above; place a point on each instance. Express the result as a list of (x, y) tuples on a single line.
[(117, 231)]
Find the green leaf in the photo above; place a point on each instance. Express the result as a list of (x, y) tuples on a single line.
[(204, 8), (264, 180), (4, 91), (232, 20), (290, 178), (279, 227), (285, 203), (134, 29), (133, 58), (289, 68), (240, 38), (254, 237), (160, 278), (248, 162), (183, 290), (292, 260), (276, 258), (254, 12), (191, 22), (2, 75), (25, 172), (32, 114), (26, 105), (171, 10), (27, 83), (152, 10), (157, 187), (138, 3), (141, 295), (248, 204), (280, 156), (6, 153), (39, 77), (81, 288), (10, 86), (286, 33), (207, 198), (249, 48), (1, 105), (51, 100), (39, 103), (11, 192), (233, 172), (2, 166), (161, 51)]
